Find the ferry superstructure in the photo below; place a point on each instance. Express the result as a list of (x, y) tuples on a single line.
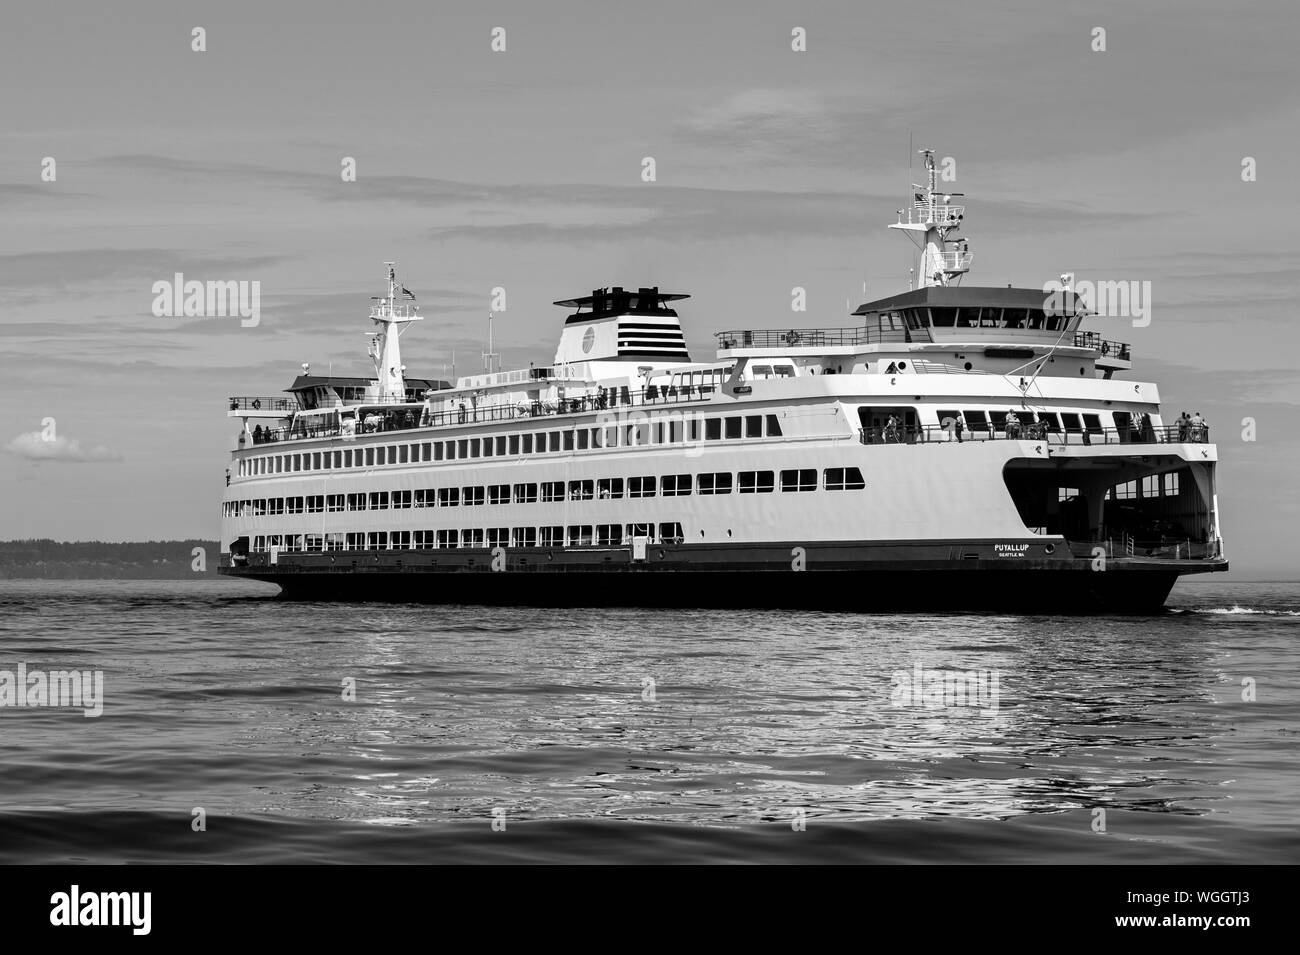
[(956, 448)]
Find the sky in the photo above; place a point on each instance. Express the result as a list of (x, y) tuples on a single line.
[(522, 169)]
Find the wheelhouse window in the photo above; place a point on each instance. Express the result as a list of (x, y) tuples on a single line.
[(734, 425), (712, 429)]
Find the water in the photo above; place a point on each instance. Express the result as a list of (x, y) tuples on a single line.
[(770, 737)]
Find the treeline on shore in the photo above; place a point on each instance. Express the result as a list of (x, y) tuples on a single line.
[(99, 560)]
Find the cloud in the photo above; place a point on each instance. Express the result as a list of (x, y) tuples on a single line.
[(33, 446)]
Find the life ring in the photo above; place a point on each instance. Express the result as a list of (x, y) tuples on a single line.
[(792, 338), (257, 404), (1105, 348)]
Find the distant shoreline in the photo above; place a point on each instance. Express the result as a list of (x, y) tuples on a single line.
[(46, 559)]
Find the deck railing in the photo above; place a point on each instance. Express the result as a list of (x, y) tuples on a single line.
[(1036, 431), (1164, 547), (807, 337), (392, 420)]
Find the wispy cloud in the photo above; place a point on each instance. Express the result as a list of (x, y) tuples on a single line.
[(34, 446)]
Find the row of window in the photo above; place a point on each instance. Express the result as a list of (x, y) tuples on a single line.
[(1153, 485), (659, 430), (667, 485), (555, 535)]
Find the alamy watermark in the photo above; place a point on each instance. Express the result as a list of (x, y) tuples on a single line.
[(1107, 299), (71, 688), (193, 299)]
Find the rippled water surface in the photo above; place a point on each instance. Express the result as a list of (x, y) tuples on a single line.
[(647, 735)]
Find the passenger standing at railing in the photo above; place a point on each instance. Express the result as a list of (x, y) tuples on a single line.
[(1197, 427), (1013, 425), (1183, 423)]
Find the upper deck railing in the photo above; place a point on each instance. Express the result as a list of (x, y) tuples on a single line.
[(469, 413), (263, 404), (807, 337), (923, 211), (864, 335), (1036, 431), (955, 260)]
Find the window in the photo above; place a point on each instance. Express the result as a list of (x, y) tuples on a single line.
[(582, 439), (719, 483), (381, 455), (334, 502), (1065, 493), (498, 537), (356, 502), (315, 543), (451, 450), (579, 535), (1151, 485), (676, 485), (1070, 420), (293, 505), (641, 487), (472, 496), (526, 493), (554, 443), (550, 536), (437, 450), (399, 540), (523, 537), (552, 491), (581, 490), (976, 421), (448, 538), (528, 443), (448, 496), (844, 479), (756, 482), (1049, 420), (514, 444), (1092, 423), (402, 455), (607, 488), (640, 530), (1171, 484), (334, 541), (609, 535), (401, 499), (803, 479), (753, 426), (378, 500), (498, 494), (425, 497), (315, 503), (501, 444), (568, 441), (462, 448), (712, 429), (473, 537), (377, 540), (370, 457), (1124, 492), (355, 540), (671, 533), (487, 447), (425, 450), (733, 427)]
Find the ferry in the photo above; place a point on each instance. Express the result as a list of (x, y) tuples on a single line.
[(955, 448)]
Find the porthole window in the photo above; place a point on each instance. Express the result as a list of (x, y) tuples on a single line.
[(967, 366)]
